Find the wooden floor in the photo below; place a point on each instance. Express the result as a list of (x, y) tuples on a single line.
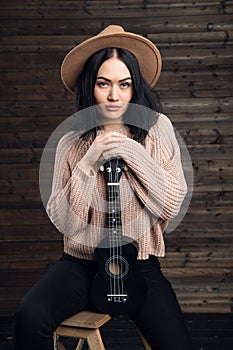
[(208, 331)]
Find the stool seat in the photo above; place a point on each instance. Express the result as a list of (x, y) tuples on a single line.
[(86, 319)]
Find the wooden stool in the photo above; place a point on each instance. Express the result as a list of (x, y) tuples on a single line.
[(85, 326)]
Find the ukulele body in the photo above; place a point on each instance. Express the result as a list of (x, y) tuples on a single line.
[(118, 287)]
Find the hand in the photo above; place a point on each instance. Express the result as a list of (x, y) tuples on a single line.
[(102, 143)]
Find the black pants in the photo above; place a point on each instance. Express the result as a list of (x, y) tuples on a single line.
[(63, 291)]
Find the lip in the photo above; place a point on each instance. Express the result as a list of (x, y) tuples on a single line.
[(113, 108)]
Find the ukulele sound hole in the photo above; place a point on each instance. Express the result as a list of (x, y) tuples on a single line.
[(117, 266)]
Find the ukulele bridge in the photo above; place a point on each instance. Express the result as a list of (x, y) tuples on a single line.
[(117, 298)]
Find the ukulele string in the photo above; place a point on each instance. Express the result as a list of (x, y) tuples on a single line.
[(113, 234), (110, 218), (120, 245), (113, 229), (116, 233), (115, 242), (119, 242)]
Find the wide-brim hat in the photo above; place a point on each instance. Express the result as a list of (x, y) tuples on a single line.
[(146, 52)]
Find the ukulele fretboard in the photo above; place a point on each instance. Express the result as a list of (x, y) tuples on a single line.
[(114, 212)]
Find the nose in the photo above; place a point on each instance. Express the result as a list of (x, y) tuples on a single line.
[(113, 94)]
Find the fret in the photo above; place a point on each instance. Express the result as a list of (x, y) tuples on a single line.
[(115, 232), (114, 210)]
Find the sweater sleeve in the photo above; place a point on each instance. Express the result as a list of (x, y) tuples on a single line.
[(157, 179), (72, 189)]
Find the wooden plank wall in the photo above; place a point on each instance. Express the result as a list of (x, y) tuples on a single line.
[(195, 38)]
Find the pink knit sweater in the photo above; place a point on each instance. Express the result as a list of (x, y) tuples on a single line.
[(152, 191)]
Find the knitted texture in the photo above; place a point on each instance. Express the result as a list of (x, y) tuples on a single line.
[(151, 191)]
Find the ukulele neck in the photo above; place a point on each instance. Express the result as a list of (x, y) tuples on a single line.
[(113, 171)]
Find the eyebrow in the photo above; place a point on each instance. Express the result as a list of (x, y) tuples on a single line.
[(121, 80)]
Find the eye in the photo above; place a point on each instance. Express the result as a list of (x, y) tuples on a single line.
[(125, 85), (102, 84)]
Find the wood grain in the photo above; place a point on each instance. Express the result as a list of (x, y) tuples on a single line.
[(196, 90)]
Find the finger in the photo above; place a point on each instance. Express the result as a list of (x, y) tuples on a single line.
[(110, 146), (114, 138), (111, 135)]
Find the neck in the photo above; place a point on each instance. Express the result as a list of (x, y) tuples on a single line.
[(112, 126)]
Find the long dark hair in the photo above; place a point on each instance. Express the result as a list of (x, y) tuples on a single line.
[(140, 122)]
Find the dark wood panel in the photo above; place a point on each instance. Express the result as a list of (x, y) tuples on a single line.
[(138, 24), (221, 134), (170, 107), (81, 8), (48, 77), (176, 58), (196, 91), (189, 88), (27, 233), (209, 332), (43, 43)]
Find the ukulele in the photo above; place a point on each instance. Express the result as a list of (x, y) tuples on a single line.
[(118, 287)]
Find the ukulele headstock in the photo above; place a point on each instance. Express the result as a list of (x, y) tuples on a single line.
[(113, 169)]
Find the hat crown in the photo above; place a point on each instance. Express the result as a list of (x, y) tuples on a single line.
[(112, 29)]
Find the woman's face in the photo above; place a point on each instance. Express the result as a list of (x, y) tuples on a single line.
[(113, 89)]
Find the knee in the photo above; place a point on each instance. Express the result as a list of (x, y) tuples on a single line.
[(32, 327), (29, 317), (24, 317)]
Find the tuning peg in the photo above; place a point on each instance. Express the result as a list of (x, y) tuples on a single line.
[(126, 168), (101, 168)]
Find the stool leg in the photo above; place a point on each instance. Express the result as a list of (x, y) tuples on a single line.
[(94, 340), (61, 346), (147, 346), (80, 344), (57, 343)]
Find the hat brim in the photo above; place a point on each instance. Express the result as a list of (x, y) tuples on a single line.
[(146, 52)]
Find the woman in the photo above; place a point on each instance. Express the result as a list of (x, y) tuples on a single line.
[(115, 72)]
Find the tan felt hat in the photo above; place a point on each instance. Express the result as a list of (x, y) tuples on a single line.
[(146, 52)]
